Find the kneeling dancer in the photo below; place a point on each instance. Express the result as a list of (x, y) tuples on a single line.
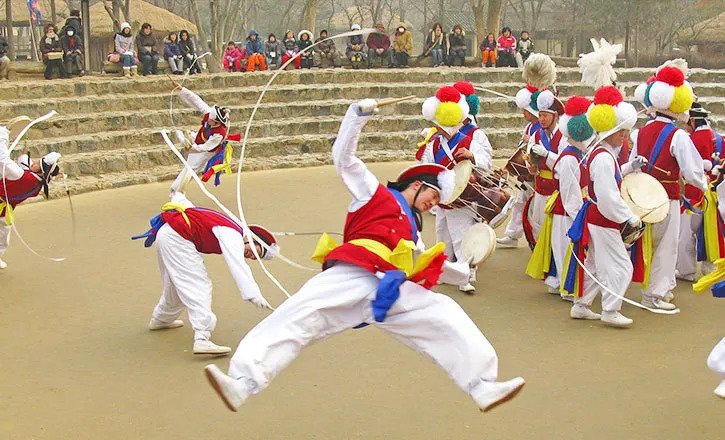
[(182, 233), (373, 279)]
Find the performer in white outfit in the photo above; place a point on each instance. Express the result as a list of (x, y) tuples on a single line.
[(671, 155), (360, 284), (458, 140), (182, 234), (716, 360)]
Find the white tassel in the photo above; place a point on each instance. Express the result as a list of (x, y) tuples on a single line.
[(597, 67)]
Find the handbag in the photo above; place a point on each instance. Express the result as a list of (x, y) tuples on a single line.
[(114, 57), (54, 55)]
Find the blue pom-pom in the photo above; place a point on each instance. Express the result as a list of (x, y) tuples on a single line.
[(579, 128), (647, 102), (474, 104), (534, 97), (718, 289)]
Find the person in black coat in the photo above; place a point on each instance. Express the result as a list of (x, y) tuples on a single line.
[(188, 52)]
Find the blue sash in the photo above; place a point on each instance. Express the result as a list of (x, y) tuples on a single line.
[(575, 233), (545, 141), (21, 197), (661, 139), (150, 235), (408, 212), (217, 159), (533, 128), (718, 144), (452, 144)]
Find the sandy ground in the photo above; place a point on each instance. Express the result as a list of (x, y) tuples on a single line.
[(78, 361)]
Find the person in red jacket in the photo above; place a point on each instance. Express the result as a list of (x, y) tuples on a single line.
[(378, 43), (506, 47), (232, 58), (367, 280)]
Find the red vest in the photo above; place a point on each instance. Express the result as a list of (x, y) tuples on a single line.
[(704, 141), (543, 185), (205, 132), (199, 231), (646, 139), (624, 153), (380, 219), (583, 180), (15, 192), (438, 151), (594, 216)]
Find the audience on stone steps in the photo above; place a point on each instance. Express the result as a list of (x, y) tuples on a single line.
[(172, 54), (4, 60), (52, 52)]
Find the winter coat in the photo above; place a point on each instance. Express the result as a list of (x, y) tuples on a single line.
[(254, 46), (325, 47), (124, 44), (403, 42), (290, 44), (171, 49), (302, 45), (275, 47), (526, 47), (457, 42), (491, 45), (234, 53), (378, 41), (48, 45), (3, 46), (507, 44), (432, 41), (69, 44), (355, 40), (146, 44), (186, 47)]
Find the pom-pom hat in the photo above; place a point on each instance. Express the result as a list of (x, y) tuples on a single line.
[(466, 89), (526, 99), (444, 181), (574, 124), (609, 113), (669, 92), (267, 237), (447, 109), (547, 102)]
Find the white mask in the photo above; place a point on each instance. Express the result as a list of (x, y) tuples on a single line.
[(70, 33), (401, 30)]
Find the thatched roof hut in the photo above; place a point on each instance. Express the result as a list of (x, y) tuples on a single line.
[(21, 16), (706, 35), (160, 19)]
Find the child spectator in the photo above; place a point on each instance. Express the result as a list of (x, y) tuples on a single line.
[(189, 53), (378, 43), (232, 58), (402, 46), (273, 51), (172, 54), (255, 52), (147, 53), (488, 51), (436, 45), (457, 43), (525, 48), (355, 50), (326, 54), (304, 41), (72, 51), (506, 49), (290, 49), (126, 48), (52, 52)]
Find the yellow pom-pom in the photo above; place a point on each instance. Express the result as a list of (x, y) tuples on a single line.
[(682, 100), (602, 117), (449, 114)]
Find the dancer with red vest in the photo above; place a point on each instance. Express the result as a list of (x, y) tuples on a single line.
[(183, 233), (671, 155), (459, 139), (210, 152), (373, 278), (595, 233), (691, 246), (20, 181)]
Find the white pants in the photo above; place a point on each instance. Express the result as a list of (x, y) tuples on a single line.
[(515, 228), (559, 246), (176, 65), (608, 260), (5, 231), (537, 213), (339, 299), (451, 225), (664, 244), (197, 161), (185, 283), (687, 243), (716, 360)]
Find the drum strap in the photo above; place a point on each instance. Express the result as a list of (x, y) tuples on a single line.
[(718, 144), (447, 149), (661, 139)]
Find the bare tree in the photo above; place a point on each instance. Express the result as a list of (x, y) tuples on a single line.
[(310, 15), (528, 12), (479, 15), (493, 21)]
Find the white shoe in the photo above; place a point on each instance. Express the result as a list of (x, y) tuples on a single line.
[(583, 312), (468, 288), (616, 319), (157, 325), (569, 298), (656, 303), (3, 264), (472, 276), (496, 393), (553, 290), (205, 346), (507, 242), (689, 277), (720, 390), (230, 390), (669, 296)]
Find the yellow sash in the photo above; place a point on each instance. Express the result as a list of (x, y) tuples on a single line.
[(9, 213), (546, 174), (431, 131), (710, 225), (713, 277), (563, 273), (226, 165), (540, 261), (647, 253), (174, 206)]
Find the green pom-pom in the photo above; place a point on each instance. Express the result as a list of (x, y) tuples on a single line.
[(534, 97), (474, 104), (579, 128)]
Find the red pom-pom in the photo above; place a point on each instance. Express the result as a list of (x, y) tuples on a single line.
[(576, 105), (465, 87), (608, 95), (531, 88), (651, 79), (448, 94), (671, 75)]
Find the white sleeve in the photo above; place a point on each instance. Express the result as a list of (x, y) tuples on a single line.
[(210, 144), (633, 144), (551, 159), (9, 170), (609, 199), (232, 243), (568, 173), (482, 150), (428, 153), (361, 183), (193, 100), (721, 198), (689, 159), (455, 273)]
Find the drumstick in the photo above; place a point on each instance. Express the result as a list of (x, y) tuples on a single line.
[(392, 101), (662, 170)]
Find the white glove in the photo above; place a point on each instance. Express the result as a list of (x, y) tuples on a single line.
[(261, 303), (706, 165), (539, 150), (716, 170), (638, 162), (635, 222), (367, 107)]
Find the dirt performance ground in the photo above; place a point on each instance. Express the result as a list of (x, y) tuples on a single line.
[(78, 361)]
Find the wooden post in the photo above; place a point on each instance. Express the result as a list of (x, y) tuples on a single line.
[(86, 20), (9, 28), (53, 15)]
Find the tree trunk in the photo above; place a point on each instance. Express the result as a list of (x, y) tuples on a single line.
[(310, 16), (479, 12), (494, 16), (9, 29), (53, 15)]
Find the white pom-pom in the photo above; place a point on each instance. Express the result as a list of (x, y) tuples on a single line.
[(464, 106), (523, 98), (661, 95), (430, 106), (545, 100), (446, 182), (563, 120), (626, 115), (639, 92)]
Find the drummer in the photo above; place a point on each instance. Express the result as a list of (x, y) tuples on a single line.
[(453, 143), (514, 229), (671, 155)]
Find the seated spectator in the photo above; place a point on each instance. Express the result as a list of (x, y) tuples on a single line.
[(304, 40), (147, 53), (75, 22), (52, 52), (402, 46), (488, 51), (189, 53), (4, 60), (378, 43), (72, 51), (255, 52), (125, 46), (172, 54), (355, 50), (290, 49), (458, 48), (232, 58), (525, 48), (436, 45), (506, 49), (273, 51), (326, 54)]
